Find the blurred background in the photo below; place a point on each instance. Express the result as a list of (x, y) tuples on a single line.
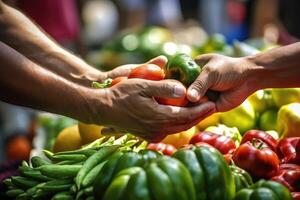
[(110, 33)]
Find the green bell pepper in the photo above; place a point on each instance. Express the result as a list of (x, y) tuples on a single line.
[(264, 190), (184, 69), (242, 179), (211, 175), (164, 178)]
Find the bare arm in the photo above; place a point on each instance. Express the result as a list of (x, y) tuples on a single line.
[(127, 106), (237, 78), (24, 83), (17, 31)]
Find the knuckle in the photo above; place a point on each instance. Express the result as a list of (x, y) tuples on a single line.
[(198, 84)]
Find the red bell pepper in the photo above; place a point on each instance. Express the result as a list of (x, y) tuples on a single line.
[(288, 150), (289, 175), (166, 149), (262, 135), (257, 158), (223, 143)]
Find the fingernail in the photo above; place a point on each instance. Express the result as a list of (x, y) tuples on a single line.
[(194, 93), (179, 91)]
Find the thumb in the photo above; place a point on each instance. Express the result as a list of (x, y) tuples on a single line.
[(160, 61), (198, 89), (165, 88)]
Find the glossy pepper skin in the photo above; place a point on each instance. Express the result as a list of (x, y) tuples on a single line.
[(289, 120), (264, 190), (211, 175), (164, 178), (221, 142), (166, 149), (116, 163), (288, 150), (289, 176), (256, 158), (184, 69), (262, 135), (242, 179)]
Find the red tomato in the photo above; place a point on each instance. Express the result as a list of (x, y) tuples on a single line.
[(174, 102), (262, 135), (118, 80), (257, 158), (222, 143), (288, 150), (149, 72), (166, 149)]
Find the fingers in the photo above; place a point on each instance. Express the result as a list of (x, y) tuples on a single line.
[(185, 115), (203, 59), (231, 99), (190, 124), (204, 81), (198, 89), (165, 88), (160, 61)]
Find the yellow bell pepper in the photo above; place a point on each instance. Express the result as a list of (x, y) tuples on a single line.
[(243, 117), (261, 100), (285, 96), (212, 120), (289, 120), (180, 139), (268, 120)]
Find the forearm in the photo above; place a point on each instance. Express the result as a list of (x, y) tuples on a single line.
[(17, 31), (22, 82), (279, 67)]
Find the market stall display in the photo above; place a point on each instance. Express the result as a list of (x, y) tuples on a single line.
[(250, 152)]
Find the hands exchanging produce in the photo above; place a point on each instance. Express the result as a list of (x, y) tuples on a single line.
[(130, 105), (148, 108)]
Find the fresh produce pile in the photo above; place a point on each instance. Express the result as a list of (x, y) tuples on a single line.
[(123, 169), (250, 152)]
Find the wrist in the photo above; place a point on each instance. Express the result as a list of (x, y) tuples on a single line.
[(255, 74), (94, 104), (73, 68)]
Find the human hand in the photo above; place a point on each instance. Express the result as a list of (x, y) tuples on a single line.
[(130, 106), (230, 76)]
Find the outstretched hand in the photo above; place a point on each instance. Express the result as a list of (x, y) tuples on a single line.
[(227, 75)]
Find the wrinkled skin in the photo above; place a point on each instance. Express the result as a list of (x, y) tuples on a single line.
[(130, 106)]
